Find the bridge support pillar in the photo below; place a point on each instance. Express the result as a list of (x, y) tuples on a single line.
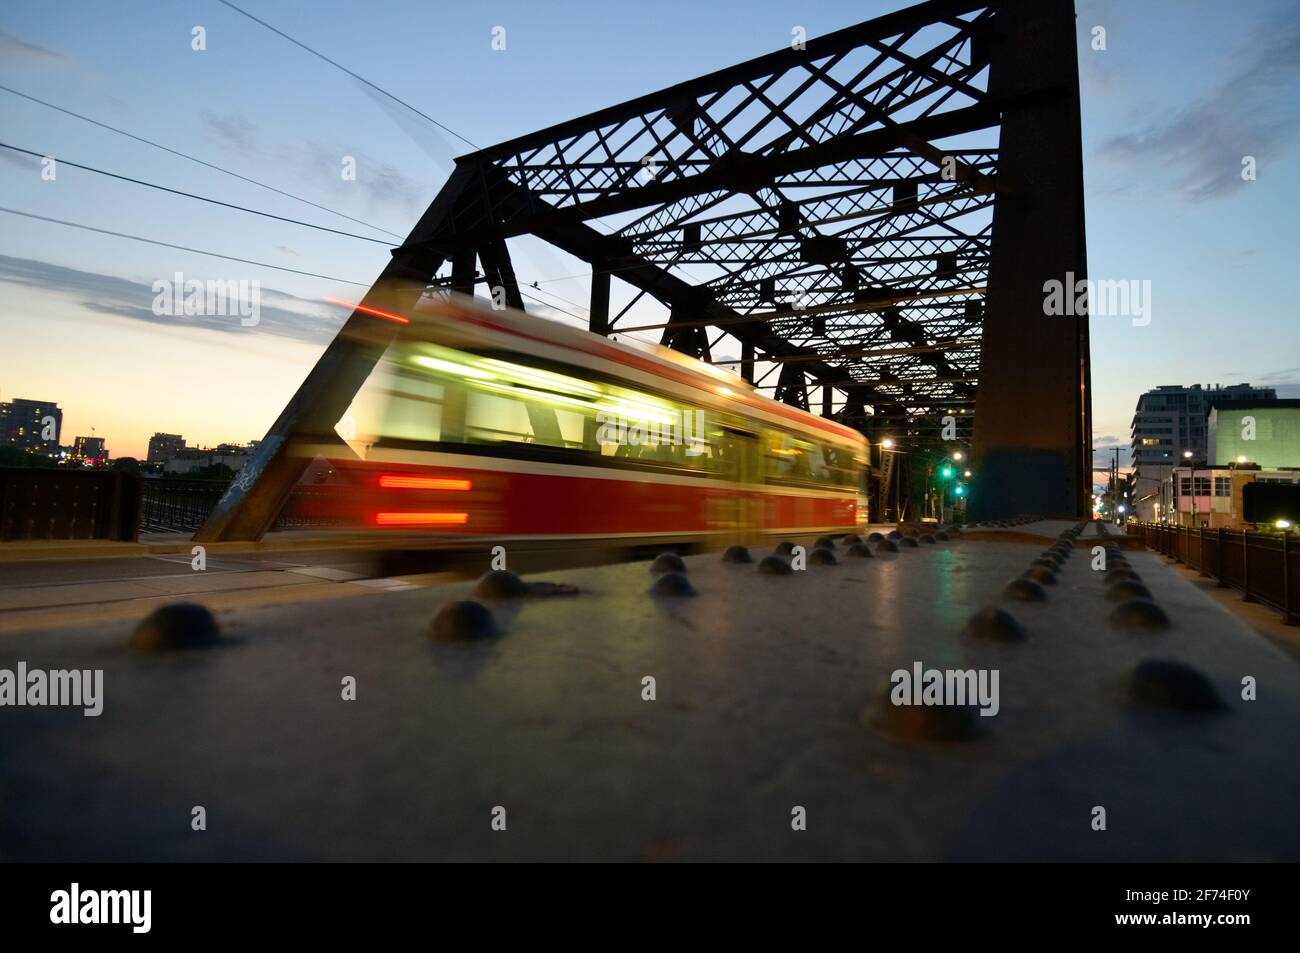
[(1032, 446)]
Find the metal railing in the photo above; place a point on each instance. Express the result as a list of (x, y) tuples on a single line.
[(1265, 567), (180, 505), (176, 504)]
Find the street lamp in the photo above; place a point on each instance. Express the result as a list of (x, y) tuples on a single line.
[(957, 455), (887, 446), (1187, 455)]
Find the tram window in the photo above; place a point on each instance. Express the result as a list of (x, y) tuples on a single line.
[(790, 458), (821, 466), (837, 465), (490, 418), (453, 396), (414, 409), (572, 428)]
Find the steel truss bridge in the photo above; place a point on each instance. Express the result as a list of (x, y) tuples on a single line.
[(871, 216)]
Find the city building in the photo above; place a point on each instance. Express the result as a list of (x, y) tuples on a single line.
[(1266, 433), (1247, 441), (1170, 429), (1211, 497), (1171, 420), (89, 451), (189, 459), (163, 446), (32, 425)]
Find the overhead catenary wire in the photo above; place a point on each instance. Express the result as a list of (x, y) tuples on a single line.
[(200, 198), (248, 210), (359, 78), (212, 254), (197, 251), (202, 162), (401, 102)]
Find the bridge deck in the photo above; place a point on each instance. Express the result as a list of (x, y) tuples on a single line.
[(767, 690)]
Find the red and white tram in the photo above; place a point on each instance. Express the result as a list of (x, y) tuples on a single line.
[(500, 425)]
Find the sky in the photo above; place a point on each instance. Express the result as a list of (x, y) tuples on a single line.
[(1183, 90)]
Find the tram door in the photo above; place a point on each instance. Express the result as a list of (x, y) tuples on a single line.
[(741, 467)]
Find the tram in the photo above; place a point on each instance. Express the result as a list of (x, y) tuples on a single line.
[(499, 424)]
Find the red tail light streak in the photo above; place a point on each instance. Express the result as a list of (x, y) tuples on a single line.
[(395, 481), (369, 310), (421, 519)]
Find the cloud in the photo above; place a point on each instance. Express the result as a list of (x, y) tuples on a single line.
[(1284, 376), (281, 314), (235, 131), (378, 186), (1252, 112), (15, 50), (382, 186)]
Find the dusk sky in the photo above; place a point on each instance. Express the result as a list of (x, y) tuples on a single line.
[(1183, 91)]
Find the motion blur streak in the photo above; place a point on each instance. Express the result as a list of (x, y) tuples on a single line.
[(369, 310), (421, 519), (394, 482)]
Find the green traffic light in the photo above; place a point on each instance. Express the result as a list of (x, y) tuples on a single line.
[(961, 490), (947, 472)]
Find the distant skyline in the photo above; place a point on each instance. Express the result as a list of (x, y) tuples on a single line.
[(1183, 91)]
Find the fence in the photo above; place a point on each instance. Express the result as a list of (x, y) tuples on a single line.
[(1265, 567), (68, 504), (179, 505)]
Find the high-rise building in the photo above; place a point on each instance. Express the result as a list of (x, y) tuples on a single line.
[(32, 425), (1170, 420), (1169, 430), (163, 446)]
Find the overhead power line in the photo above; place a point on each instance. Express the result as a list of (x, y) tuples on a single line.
[(211, 254), (356, 76), (200, 198), (202, 162), (197, 251)]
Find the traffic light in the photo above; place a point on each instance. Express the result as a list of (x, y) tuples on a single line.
[(960, 489), (946, 472)]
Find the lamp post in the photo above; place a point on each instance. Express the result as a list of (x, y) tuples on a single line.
[(887, 446)]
